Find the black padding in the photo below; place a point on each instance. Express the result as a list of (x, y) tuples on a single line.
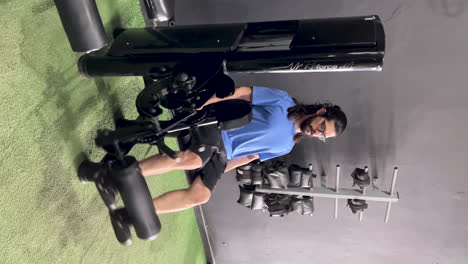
[(233, 114), (346, 32), (224, 86), (184, 137), (89, 171), (107, 191), (192, 39), (121, 228), (236, 123), (136, 198)]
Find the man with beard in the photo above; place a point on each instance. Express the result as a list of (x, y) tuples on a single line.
[(278, 122)]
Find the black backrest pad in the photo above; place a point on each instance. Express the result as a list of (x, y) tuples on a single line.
[(232, 114)]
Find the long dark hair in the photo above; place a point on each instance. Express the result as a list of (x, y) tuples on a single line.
[(333, 112)]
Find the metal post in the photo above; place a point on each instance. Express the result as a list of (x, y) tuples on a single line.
[(311, 177), (366, 169), (337, 182), (311, 168), (392, 189), (188, 127)]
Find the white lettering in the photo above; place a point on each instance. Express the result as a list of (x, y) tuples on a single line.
[(296, 66)]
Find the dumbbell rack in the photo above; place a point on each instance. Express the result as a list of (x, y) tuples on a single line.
[(341, 193)]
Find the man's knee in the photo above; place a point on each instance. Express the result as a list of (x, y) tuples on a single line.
[(189, 160), (199, 193)]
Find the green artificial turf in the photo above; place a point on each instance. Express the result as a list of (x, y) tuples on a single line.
[(48, 119)]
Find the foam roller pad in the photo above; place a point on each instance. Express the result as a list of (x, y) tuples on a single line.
[(136, 198), (82, 23)]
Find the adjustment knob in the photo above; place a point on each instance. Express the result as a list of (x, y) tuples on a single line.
[(182, 77)]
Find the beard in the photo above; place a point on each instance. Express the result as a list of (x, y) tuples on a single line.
[(305, 126)]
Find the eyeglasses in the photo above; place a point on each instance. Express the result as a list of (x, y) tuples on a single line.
[(322, 127)]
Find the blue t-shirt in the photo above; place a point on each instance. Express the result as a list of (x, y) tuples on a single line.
[(270, 133)]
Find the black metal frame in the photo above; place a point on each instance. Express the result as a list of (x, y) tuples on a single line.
[(119, 173), (177, 93)]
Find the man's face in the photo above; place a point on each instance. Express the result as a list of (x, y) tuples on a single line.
[(318, 126)]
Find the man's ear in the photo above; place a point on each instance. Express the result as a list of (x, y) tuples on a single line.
[(321, 111)]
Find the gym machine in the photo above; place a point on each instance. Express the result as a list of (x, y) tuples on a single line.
[(182, 67)]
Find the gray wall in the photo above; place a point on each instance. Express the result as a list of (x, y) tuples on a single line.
[(411, 115)]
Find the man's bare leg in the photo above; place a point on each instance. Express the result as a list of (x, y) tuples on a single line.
[(180, 200), (159, 164)]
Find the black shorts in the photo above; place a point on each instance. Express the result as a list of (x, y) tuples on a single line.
[(206, 142)]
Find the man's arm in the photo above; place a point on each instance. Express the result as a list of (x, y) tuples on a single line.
[(236, 162), (243, 92)]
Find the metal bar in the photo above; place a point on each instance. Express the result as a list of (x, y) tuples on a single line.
[(205, 229), (337, 183), (336, 209), (361, 214), (392, 189), (311, 168), (174, 123), (187, 127), (322, 192), (395, 174), (387, 213), (318, 68)]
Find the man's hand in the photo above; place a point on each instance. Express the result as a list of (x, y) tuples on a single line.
[(243, 93), (236, 162)]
